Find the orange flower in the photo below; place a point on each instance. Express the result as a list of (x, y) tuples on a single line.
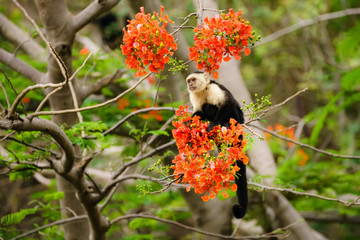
[(84, 51), (147, 43), (220, 38), (205, 173), (123, 103), (303, 157)]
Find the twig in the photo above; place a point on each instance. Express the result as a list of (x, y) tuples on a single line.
[(272, 234), (268, 188), (46, 98), (56, 56), (58, 59), (186, 19), (167, 186), (275, 106), (7, 135), (55, 154), (308, 22), (4, 90), (30, 88), (12, 87), (113, 182), (139, 158), (305, 145), (153, 137), (119, 123), (93, 106), (253, 132), (60, 222)]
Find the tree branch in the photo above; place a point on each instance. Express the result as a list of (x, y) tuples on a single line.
[(18, 37), (60, 222), (263, 112), (305, 145), (96, 8), (93, 106), (267, 188), (46, 126), (272, 234), (112, 183), (331, 217), (308, 22), (20, 66), (119, 123)]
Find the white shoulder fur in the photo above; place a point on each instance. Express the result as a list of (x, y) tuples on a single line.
[(212, 94)]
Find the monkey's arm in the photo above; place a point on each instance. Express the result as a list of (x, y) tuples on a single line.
[(224, 114), (200, 114)]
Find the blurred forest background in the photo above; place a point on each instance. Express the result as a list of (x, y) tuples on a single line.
[(305, 44)]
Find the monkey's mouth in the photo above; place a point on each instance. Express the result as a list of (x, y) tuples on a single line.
[(192, 88)]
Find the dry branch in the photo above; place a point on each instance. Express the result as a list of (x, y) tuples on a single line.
[(308, 22), (20, 66), (305, 145), (275, 233)]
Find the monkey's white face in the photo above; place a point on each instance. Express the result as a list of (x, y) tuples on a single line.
[(196, 82)]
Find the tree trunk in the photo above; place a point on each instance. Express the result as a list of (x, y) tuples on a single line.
[(55, 16)]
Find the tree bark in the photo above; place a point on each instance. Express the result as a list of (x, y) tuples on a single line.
[(55, 16), (18, 37)]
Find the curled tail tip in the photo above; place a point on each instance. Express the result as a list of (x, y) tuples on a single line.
[(239, 211)]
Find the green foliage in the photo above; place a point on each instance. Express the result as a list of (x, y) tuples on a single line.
[(15, 218), (22, 171), (350, 43), (159, 168), (177, 65), (330, 107), (93, 129), (258, 105), (350, 81), (147, 223)]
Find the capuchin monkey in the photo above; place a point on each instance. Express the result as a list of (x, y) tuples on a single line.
[(214, 103)]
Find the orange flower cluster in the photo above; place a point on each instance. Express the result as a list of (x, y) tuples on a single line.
[(147, 43), (224, 35), (196, 166)]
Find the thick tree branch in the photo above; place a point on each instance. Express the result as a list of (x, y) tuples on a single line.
[(20, 66), (96, 8), (18, 37), (49, 127)]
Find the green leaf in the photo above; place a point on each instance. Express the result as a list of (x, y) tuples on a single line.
[(351, 42), (15, 218), (159, 132), (331, 106), (53, 196), (351, 80), (22, 171), (141, 222)]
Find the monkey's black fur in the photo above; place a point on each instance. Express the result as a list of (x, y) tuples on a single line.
[(220, 113)]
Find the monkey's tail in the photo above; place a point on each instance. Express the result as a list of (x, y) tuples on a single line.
[(239, 210)]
